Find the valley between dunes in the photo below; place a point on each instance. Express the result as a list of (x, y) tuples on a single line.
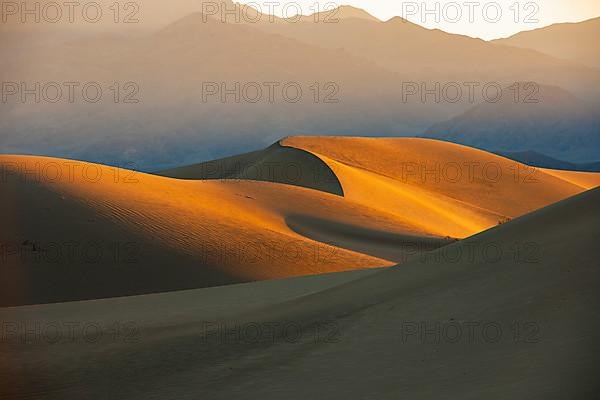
[(306, 205)]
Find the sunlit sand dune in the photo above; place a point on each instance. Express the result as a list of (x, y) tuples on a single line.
[(74, 230), (586, 180), (443, 188), (436, 188)]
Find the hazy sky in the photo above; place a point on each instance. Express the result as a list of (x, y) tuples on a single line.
[(477, 18)]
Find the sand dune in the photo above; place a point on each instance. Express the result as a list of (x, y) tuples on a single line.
[(371, 323), (129, 233), (586, 180), (276, 163), (443, 188), (397, 247), (76, 230), (437, 188)]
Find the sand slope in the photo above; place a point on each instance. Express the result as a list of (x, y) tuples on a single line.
[(586, 180), (370, 322), (443, 188), (276, 163), (73, 230)]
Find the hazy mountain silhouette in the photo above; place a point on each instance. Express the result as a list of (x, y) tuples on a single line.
[(570, 41), (431, 55), (546, 119), (540, 160), (359, 62)]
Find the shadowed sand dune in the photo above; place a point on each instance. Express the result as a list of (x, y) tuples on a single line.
[(388, 245), (534, 318), (286, 165)]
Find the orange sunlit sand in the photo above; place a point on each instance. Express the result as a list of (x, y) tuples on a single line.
[(226, 200), (220, 231)]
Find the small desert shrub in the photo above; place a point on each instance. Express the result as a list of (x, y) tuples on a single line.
[(504, 220)]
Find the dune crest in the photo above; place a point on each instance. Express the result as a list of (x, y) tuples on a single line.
[(445, 189), (170, 234), (585, 180)]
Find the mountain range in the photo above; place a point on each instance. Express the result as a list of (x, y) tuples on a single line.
[(545, 119), (358, 76)]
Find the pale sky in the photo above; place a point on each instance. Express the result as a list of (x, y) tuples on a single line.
[(478, 18)]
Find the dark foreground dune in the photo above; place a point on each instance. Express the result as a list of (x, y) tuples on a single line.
[(511, 313)]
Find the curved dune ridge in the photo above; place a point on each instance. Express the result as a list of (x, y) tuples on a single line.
[(441, 188), (74, 230), (279, 164)]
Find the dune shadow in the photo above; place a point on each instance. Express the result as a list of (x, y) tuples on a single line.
[(276, 163), (387, 245)]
